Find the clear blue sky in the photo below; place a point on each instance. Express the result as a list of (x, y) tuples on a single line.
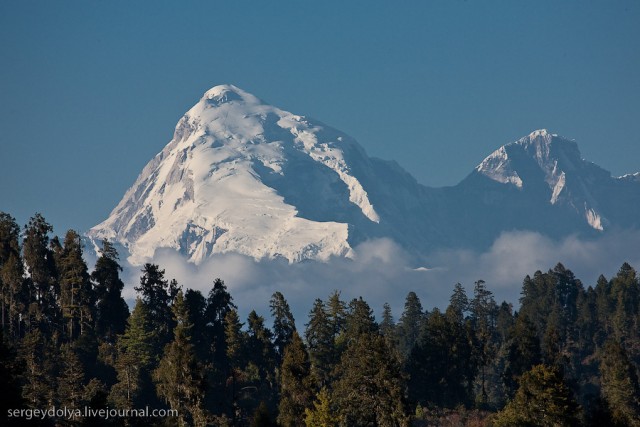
[(90, 91)]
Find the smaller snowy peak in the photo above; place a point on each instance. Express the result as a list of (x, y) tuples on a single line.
[(552, 154)]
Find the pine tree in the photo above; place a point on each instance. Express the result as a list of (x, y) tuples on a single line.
[(260, 355), (369, 386), (77, 298), (625, 292), (111, 309), (284, 324), (43, 310), (38, 356), (543, 399), (219, 303), (134, 359), (236, 355), (322, 414), (620, 386), (523, 353), (13, 296), (320, 339), (483, 319), (296, 392), (71, 379), (336, 310), (157, 294), (440, 365), (410, 323), (196, 305), (388, 327), (178, 379), (458, 303), (360, 320)]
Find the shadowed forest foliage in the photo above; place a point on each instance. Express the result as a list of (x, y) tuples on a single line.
[(568, 356)]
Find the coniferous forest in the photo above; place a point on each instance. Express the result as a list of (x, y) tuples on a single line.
[(568, 355)]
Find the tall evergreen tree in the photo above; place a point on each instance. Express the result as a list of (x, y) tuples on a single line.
[(458, 303), (360, 320), (71, 379), (388, 328), (284, 325), (369, 386), (178, 376), (236, 355), (523, 353), (440, 365), (196, 305), (261, 355), (625, 293), (135, 359), (219, 304), (38, 356), (44, 312), (13, 296), (111, 309), (336, 310), (157, 294), (296, 392), (620, 386), (320, 339), (77, 298), (410, 323), (483, 317), (543, 399)]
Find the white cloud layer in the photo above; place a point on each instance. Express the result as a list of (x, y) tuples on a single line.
[(381, 272)]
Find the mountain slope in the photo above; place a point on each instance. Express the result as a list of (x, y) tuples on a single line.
[(229, 181), (242, 176)]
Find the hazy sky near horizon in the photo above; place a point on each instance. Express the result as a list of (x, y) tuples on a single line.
[(91, 91)]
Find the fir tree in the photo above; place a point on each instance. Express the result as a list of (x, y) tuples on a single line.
[(483, 318), (620, 386), (13, 296), (543, 399), (322, 414), (111, 309), (157, 294), (369, 386), (39, 260), (410, 323), (360, 320), (38, 356), (284, 324), (196, 305), (71, 379), (320, 339), (296, 392), (134, 359), (178, 379), (77, 298), (219, 304)]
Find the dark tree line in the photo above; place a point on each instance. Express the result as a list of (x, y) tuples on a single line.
[(568, 356)]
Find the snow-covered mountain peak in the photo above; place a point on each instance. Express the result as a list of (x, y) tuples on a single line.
[(232, 180), (542, 150)]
